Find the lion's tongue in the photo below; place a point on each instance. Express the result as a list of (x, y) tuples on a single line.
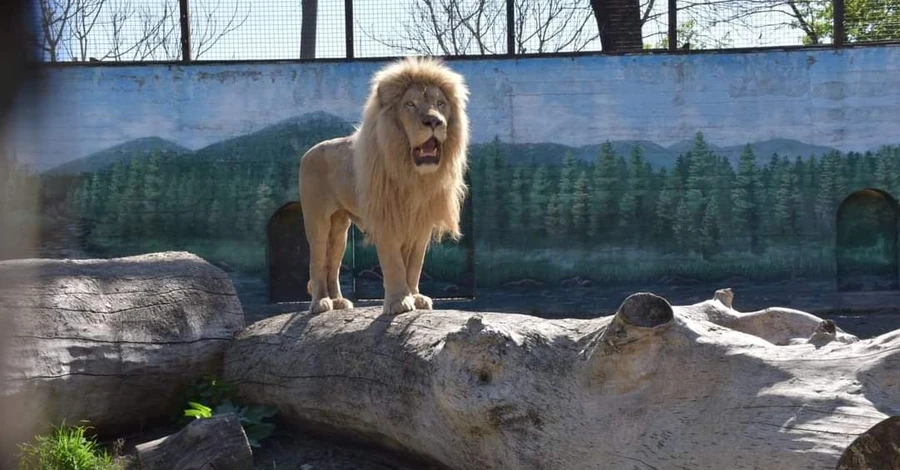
[(429, 149)]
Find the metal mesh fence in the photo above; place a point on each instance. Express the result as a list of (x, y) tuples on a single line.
[(712, 24), (438, 27), (141, 30), (108, 30), (872, 20), (263, 29)]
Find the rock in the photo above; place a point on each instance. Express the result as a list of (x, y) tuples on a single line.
[(110, 341), (217, 443)]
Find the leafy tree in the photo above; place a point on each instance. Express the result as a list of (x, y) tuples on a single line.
[(864, 20)]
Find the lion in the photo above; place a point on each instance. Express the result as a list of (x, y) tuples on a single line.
[(398, 177)]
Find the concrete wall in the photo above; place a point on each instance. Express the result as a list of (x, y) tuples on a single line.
[(592, 176)]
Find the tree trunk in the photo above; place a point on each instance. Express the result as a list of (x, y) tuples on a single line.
[(653, 386), (308, 26), (216, 443), (109, 341), (619, 24)]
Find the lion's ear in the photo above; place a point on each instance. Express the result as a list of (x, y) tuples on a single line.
[(388, 94)]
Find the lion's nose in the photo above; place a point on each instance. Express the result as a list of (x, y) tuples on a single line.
[(431, 121)]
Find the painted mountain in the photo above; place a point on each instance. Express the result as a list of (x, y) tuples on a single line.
[(288, 139), (124, 152)]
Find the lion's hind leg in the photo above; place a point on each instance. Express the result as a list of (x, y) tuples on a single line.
[(337, 245)]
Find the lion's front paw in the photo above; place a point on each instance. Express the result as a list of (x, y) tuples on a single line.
[(341, 303), (423, 302), (402, 305), (320, 306)]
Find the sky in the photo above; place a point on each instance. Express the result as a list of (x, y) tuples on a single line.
[(848, 99)]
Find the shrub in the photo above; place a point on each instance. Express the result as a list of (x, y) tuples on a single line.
[(65, 448), (211, 396)]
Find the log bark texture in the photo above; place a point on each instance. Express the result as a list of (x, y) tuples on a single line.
[(109, 341), (653, 386), (216, 443)]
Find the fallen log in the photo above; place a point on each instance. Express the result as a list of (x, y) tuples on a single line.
[(217, 443), (653, 386), (109, 341)]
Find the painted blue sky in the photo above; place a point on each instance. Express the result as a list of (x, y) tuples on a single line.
[(848, 99)]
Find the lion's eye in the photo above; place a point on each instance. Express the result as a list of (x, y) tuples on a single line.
[(410, 104), (441, 104)]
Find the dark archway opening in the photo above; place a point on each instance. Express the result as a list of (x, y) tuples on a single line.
[(287, 255), (866, 247)]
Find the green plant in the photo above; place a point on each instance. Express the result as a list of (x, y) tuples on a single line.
[(211, 396), (252, 419), (204, 392), (198, 410), (65, 448)]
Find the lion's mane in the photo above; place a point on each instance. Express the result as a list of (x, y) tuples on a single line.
[(395, 201)]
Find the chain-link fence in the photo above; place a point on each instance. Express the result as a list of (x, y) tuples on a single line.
[(192, 30)]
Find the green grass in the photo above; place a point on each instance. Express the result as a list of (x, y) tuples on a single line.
[(65, 448)]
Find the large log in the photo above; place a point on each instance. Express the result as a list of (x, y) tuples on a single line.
[(216, 443), (653, 386), (109, 341)]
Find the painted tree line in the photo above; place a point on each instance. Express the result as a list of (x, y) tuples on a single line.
[(162, 198), (702, 204)]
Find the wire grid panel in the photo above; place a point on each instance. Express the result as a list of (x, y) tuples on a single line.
[(726, 24), (655, 24), (872, 20), (548, 26), (108, 30), (262, 29), (429, 27)]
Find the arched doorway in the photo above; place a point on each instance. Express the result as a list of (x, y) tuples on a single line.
[(866, 247), (287, 255)]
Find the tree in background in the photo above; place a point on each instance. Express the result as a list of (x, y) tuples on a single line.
[(125, 30), (746, 197)]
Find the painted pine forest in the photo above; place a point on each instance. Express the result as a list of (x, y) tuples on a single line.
[(617, 219), (613, 218)]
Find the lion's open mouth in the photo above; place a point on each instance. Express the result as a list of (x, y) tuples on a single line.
[(428, 153)]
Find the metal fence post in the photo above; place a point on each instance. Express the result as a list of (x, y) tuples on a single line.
[(510, 27), (673, 25), (839, 31), (348, 27), (185, 19)]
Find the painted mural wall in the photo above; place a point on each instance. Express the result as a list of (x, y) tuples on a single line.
[(591, 177)]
